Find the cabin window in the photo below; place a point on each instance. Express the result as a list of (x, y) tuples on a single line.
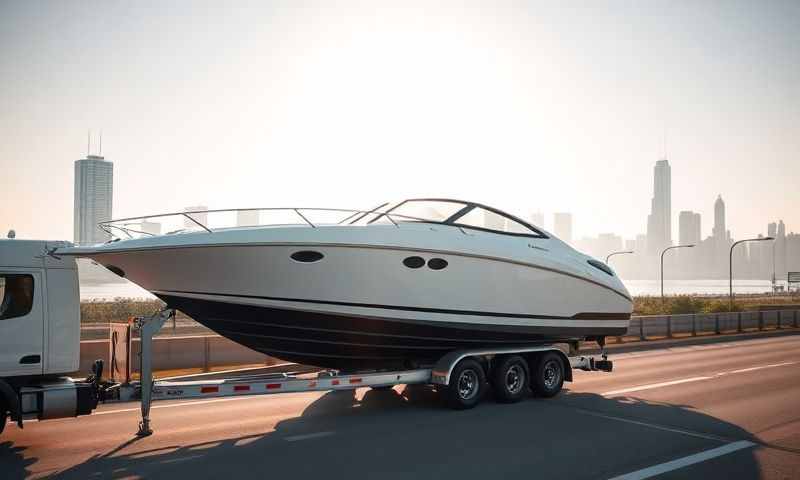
[(16, 295), (414, 262), (486, 219), (437, 263), (307, 256)]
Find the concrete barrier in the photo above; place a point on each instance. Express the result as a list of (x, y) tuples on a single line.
[(169, 353), (208, 351)]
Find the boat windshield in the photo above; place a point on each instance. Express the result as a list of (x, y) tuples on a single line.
[(438, 211)]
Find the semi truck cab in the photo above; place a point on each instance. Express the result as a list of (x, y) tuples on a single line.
[(40, 334)]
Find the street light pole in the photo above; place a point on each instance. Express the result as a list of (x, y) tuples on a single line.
[(662, 266), (730, 264), (616, 253)]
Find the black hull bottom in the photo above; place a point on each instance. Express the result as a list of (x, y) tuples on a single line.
[(352, 342)]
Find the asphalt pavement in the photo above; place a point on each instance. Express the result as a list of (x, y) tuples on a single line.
[(729, 409)]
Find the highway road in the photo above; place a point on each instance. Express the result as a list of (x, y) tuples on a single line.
[(722, 410)]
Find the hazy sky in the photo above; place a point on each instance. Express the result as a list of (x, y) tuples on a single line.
[(525, 106)]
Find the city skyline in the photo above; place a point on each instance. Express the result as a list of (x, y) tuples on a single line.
[(279, 106)]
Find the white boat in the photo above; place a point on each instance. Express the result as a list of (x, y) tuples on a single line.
[(396, 286)]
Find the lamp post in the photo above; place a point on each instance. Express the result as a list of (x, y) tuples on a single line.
[(616, 253), (662, 266), (730, 263)]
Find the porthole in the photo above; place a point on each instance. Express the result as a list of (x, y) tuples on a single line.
[(307, 256), (437, 263), (414, 262)]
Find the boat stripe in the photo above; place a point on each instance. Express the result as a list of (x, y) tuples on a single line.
[(579, 316)]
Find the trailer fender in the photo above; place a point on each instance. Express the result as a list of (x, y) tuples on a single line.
[(567, 365), (11, 402)]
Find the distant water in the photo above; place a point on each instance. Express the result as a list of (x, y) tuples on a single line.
[(698, 287), (109, 291)]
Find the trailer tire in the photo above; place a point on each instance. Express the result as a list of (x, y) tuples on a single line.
[(510, 379), (467, 385), (3, 415), (549, 374)]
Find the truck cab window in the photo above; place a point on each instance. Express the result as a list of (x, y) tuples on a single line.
[(16, 295)]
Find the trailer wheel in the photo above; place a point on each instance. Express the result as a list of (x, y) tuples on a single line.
[(548, 376), (3, 415), (466, 385), (510, 379)]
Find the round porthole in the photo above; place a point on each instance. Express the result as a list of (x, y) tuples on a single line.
[(307, 256), (414, 262), (437, 263)]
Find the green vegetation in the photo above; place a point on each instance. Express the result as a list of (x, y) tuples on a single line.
[(682, 304)]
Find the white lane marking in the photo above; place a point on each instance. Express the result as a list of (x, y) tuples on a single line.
[(692, 379), (653, 385), (661, 468), (652, 425), (307, 436), (763, 366)]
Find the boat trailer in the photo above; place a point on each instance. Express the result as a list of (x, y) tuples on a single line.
[(464, 391)]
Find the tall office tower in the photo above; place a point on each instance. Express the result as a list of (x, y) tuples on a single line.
[(719, 231), (659, 222), (780, 251), (537, 219), (562, 226), (689, 228), (200, 217), (94, 192)]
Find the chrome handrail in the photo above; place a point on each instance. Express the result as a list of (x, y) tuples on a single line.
[(113, 224)]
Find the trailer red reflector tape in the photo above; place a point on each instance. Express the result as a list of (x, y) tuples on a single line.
[(241, 388), (209, 389), (335, 382), (355, 380), (273, 386)]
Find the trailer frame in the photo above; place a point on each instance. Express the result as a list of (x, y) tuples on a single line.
[(440, 374)]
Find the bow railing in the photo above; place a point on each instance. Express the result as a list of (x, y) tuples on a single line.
[(215, 220)]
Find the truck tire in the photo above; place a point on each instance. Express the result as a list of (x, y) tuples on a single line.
[(548, 376), (510, 379), (467, 384)]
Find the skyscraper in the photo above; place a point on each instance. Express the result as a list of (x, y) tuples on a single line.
[(562, 226), (719, 231), (659, 222), (94, 192), (689, 228)]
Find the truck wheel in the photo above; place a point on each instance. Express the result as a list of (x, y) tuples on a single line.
[(510, 379), (466, 385), (548, 376)]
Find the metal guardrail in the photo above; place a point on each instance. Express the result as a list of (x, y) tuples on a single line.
[(670, 326)]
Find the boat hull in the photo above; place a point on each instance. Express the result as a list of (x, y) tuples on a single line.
[(351, 341), (372, 297)]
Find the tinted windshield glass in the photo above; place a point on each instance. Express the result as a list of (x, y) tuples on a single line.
[(482, 218), (432, 210)]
